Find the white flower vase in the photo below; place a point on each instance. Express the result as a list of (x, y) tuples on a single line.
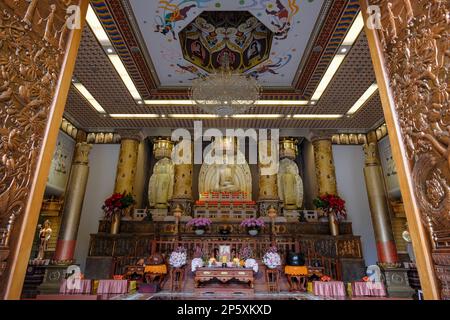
[(199, 232)]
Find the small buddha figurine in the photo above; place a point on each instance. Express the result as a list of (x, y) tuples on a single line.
[(45, 233)]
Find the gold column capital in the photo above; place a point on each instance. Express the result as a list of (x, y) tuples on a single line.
[(130, 134), (371, 154), (82, 151), (320, 135)]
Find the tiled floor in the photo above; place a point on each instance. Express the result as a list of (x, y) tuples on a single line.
[(164, 295)]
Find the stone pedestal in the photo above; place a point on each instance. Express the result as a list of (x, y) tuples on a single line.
[(291, 215), (53, 277), (352, 269), (397, 284), (158, 214)]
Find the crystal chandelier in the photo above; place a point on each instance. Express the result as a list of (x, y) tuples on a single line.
[(225, 93)]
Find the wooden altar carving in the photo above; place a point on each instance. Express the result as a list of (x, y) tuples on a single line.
[(411, 56), (32, 98)]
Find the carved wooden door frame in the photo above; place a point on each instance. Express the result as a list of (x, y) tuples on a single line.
[(407, 52), (40, 50)]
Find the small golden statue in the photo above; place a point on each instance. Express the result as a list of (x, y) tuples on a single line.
[(45, 233)]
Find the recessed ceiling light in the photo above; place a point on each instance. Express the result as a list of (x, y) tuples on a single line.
[(193, 116), (109, 50), (349, 40), (362, 100), (133, 115), (88, 96), (259, 102), (140, 102), (328, 76), (318, 116), (257, 116)]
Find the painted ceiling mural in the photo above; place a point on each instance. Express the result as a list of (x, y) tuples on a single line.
[(266, 39)]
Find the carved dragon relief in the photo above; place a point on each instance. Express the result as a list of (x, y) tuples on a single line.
[(30, 62), (415, 40)]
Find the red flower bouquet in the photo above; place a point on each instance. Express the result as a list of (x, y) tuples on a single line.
[(117, 203), (325, 278), (331, 204)]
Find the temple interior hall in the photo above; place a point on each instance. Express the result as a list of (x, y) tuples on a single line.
[(224, 149)]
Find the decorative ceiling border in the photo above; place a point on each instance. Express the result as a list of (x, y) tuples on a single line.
[(114, 16), (339, 20), (359, 138)]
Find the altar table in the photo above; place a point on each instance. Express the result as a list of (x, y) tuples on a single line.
[(299, 273), (84, 288), (362, 288), (224, 276), (329, 288)]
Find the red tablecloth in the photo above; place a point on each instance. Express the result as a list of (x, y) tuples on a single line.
[(329, 288), (361, 288), (77, 287), (112, 286)]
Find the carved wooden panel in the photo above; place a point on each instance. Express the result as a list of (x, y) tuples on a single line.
[(415, 41), (33, 37)]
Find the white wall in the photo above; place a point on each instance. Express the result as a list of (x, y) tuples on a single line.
[(349, 163), (103, 165)]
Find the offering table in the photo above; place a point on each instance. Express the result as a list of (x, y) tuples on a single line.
[(227, 280)]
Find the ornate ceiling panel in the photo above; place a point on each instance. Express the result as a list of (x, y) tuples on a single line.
[(95, 71), (217, 37)]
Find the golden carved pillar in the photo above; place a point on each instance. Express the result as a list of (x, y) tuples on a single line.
[(409, 50), (126, 168), (323, 159), (379, 206), (73, 203), (325, 172), (182, 196), (37, 58), (268, 179)]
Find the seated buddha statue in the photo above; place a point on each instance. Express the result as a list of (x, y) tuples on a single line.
[(225, 180)]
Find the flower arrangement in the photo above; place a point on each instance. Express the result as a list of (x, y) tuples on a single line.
[(199, 223), (331, 204), (196, 263), (252, 264), (253, 223), (271, 258), (178, 257), (325, 278), (117, 203), (246, 253)]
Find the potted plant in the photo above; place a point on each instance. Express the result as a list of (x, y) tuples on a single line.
[(199, 225), (115, 207), (253, 225), (271, 258), (333, 207)]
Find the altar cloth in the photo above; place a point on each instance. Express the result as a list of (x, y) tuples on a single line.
[(82, 287), (296, 270), (158, 269), (329, 288), (362, 288), (112, 286)]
